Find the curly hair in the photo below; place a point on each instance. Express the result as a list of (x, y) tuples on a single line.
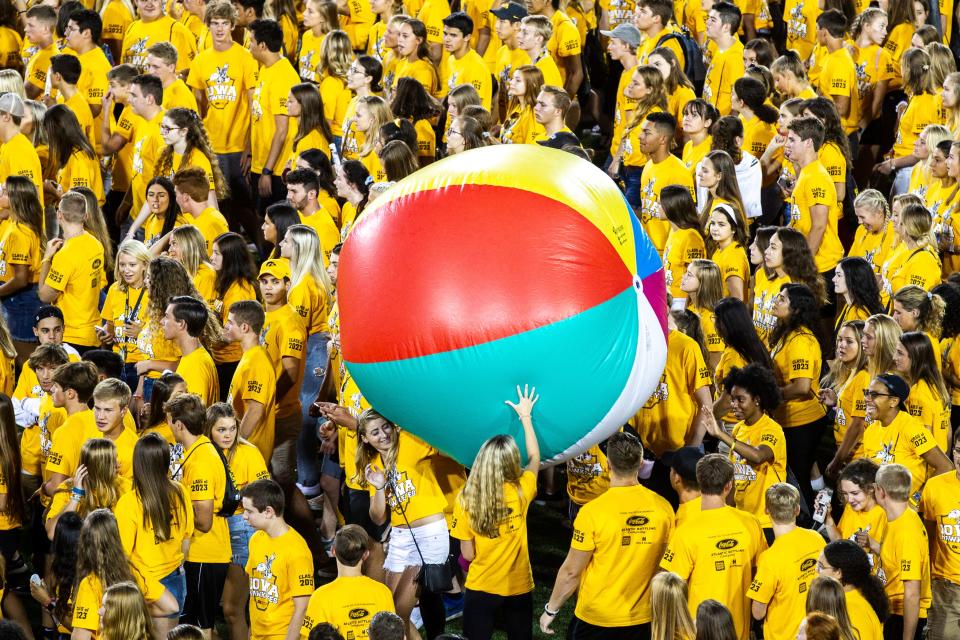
[(950, 294), (411, 101), (725, 132), (852, 562), (759, 382), (798, 262), (804, 313), (862, 287), (169, 278), (197, 140)]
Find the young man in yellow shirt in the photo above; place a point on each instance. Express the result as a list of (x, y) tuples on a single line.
[(683, 480), (716, 550), (83, 35), (279, 566), (73, 385), (18, 156), (622, 46), (550, 111), (146, 96), (205, 478), (192, 188), (183, 324), (116, 137), (532, 39), (161, 62), (72, 274), (564, 42), (64, 75), (785, 570), (838, 73), (663, 168), (940, 507), (154, 27), (223, 78), (271, 133), (464, 65), (814, 210), (618, 540), (349, 602), (38, 28), (726, 66), (904, 555), (302, 189), (655, 19), (510, 56)]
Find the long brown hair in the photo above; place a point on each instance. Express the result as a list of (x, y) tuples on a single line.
[(25, 206), (311, 112), (162, 498), (99, 456), (653, 80), (197, 139), (101, 552), (10, 461)]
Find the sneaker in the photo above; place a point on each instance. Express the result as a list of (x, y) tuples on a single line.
[(453, 605), (310, 492)]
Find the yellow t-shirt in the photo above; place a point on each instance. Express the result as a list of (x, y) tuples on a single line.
[(412, 482), (925, 404), (899, 39), (922, 110), (246, 464), (851, 405), (564, 42), (862, 617), (225, 77), (141, 35), (310, 301), (521, 127), (348, 603), (432, 13), (285, 336), (757, 134), (875, 248), (838, 77), (336, 98), (280, 569), (623, 109), (501, 565), (469, 69), (797, 355), (940, 506), (89, 596), (308, 57), (627, 530), (588, 475), (77, 274), (814, 187), (682, 247), (733, 263), (178, 94), (360, 20), (715, 551), (18, 157), (205, 479), (200, 373), (750, 482), (77, 103), (873, 522), (725, 68), (269, 100), (147, 145), (920, 267), (116, 19), (548, 67), (211, 224), (323, 223), (81, 170), (152, 557), (668, 414), (655, 176), (784, 574), (313, 140), (801, 18), (39, 66), (694, 153), (765, 291), (256, 379), (237, 291), (422, 71), (905, 555), (903, 441), (708, 324), (19, 244)]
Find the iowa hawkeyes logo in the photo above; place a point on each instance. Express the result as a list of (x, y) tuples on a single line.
[(948, 528)]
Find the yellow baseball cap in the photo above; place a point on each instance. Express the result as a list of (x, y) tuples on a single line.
[(279, 268)]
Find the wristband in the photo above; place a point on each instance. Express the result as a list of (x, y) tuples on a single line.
[(78, 492), (547, 611)]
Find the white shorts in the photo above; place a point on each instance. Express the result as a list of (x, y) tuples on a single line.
[(433, 540)]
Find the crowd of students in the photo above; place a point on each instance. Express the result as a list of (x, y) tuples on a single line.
[(176, 182)]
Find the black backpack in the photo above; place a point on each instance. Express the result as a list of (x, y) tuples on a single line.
[(231, 495), (694, 66)]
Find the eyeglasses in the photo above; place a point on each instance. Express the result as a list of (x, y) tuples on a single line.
[(70, 28), (165, 129), (451, 132), (873, 395)]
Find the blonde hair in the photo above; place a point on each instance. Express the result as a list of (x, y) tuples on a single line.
[(840, 372), (915, 69), (896, 480), (916, 224), (953, 120), (711, 284), (497, 464), (783, 501), (367, 453), (873, 200), (942, 63), (380, 114), (125, 614), (887, 333), (307, 257), (336, 54), (136, 250), (931, 308), (192, 247), (653, 80), (12, 82), (935, 133), (6, 340), (827, 595), (668, 597), (99, 456)]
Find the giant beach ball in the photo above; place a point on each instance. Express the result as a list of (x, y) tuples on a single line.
[(503, 266)]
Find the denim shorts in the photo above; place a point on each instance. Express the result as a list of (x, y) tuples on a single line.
[(240, 533), (19, 309), (176, 583)]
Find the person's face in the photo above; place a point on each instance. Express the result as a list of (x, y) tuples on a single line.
[(357, 77), (537, 6), (455, 141), (749, 57), (824, 569), (877, 30), (297, 195), (720, 229), (216, 257), (364, 119), (138, 102), (45, 376), (273, 289), (708, 174), (953, 162), (938, 164), (848, 347), (49, 331), (269, 230), (879, 400), (543, 110), (407, 43), (506, 29), (855, 496), (454, 40), (391, 38), (869, 339), (692, 122), (516, 87), (286, 247), (149, 10), (904, 317), (735, 101), (158, 199), (616, 48), (714, 26), (221, 30), (379, 434), (773, 256), (333, 268), (869, 219), (525, 37), (157, 67), (57, 395), (901, 359), (650, 139), (690, 283), (253, 517), (956, 455), (743, 405), (781, 306), (780, 83), (73, 35), (231, 329), (950, 95), (839, 280), (756, 256), (131, 269), (637, 89), (171, 133), (661, 65), (312, 16), (121, 92), (643, 18), (224, 432), (341, 183), (895, 210), (921, 10), (35, 30), (293, 106), (108, 414), (171, 328), (792, 148), (173, 248)]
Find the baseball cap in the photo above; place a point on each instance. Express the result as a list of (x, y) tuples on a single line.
[(12, 103), (47, 310), (897, 386), (684, 462), (626, 32), (512, 11), (279, 268)]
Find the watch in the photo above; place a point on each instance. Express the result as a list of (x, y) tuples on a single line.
[(266, 172)]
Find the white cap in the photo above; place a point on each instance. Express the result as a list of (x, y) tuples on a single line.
[(12, 104)]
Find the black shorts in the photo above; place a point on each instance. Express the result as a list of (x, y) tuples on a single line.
[(358, 512), (204, 591), (580, 630)]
